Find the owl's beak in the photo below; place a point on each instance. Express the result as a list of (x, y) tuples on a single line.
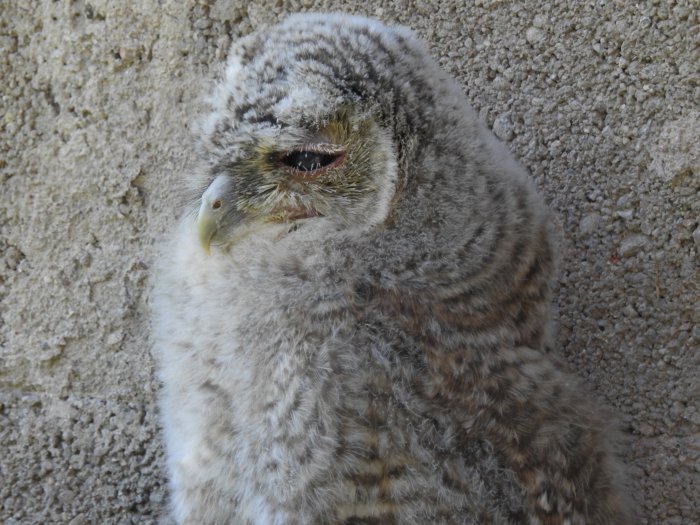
[(212, 211), (206, 228)]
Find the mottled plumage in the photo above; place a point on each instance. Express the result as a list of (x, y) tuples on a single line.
[(368, 340)]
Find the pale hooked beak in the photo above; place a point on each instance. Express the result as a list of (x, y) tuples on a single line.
[(212, 210)]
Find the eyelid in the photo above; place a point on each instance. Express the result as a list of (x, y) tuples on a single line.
[(326, 148)]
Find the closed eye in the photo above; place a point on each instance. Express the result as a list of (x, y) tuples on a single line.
[(310, 161)]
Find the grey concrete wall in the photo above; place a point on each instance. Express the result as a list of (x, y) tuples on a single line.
[(599, 99)]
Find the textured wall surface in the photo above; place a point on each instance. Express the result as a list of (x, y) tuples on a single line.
[(600, 100)]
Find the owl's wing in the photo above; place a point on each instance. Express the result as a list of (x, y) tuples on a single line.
[(539, 419), (546, 428)]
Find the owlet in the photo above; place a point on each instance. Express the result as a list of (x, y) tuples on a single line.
[(352, 315)]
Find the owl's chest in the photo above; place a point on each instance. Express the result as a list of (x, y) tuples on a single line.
[(291, 388), (302, 408)]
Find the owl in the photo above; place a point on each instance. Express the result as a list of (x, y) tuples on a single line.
[(352, 316)]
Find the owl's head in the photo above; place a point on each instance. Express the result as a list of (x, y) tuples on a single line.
[(323, 118)]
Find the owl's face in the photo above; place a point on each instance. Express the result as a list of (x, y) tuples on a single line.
[(336, 167), (320, 122)]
